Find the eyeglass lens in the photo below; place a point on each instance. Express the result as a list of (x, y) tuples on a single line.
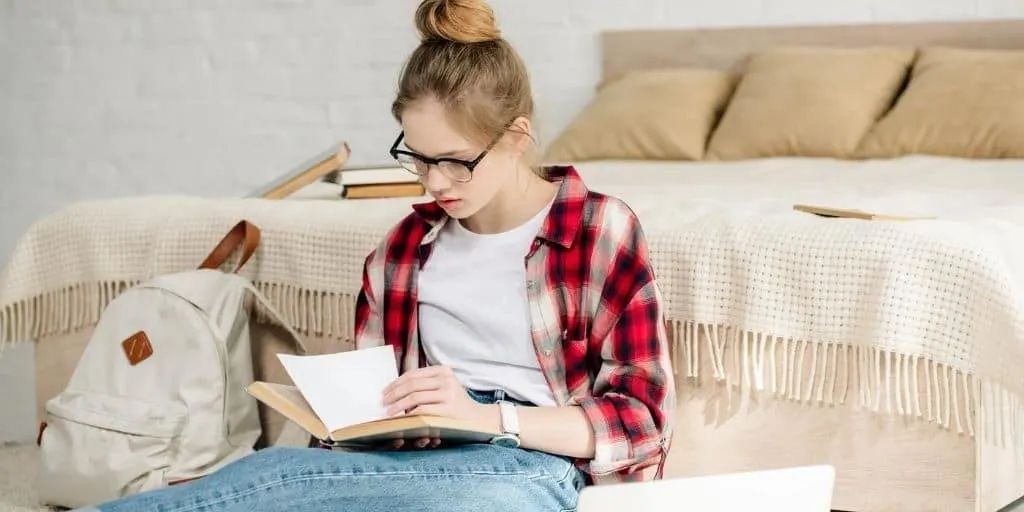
[(452, 170)]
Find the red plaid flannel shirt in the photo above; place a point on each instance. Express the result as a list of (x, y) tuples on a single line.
[(596, 316)]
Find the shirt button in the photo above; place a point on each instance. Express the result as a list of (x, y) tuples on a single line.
[(531, 285)]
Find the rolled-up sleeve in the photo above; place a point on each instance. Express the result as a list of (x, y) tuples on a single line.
[(632, 404)]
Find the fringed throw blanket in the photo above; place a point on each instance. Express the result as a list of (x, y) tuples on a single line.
[(921, 319)]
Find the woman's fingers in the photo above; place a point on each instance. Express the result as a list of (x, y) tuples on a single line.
[(428, 442), (426, 372), (408, 386), (420, 443), (413, 400)]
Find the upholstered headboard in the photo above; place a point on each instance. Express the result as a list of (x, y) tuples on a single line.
[(724, 48), (841, 91)]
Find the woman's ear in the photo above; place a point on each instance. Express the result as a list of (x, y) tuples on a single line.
[(520, 135)]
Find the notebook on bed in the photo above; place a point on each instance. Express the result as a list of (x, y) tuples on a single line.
[(841, 213)]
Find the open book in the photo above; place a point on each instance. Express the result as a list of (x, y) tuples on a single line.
[(337, 399)]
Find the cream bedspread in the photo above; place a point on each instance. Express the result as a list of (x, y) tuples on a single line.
[(857, 307), (853, 309)]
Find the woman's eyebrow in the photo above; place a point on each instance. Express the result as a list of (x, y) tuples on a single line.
[(439, 155)]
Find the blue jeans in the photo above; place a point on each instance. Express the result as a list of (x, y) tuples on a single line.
[(463, 478)]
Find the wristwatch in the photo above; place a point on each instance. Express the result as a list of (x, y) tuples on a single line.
[(509, 436)]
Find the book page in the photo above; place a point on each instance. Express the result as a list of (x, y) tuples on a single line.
[(344, 389)]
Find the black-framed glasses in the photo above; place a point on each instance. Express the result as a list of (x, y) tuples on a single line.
[(455, 169)]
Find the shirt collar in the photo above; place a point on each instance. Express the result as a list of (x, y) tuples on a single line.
[(560, 226)]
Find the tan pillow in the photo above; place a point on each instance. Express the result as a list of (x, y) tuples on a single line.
[(959, 102), (809, 101), (647, 115)]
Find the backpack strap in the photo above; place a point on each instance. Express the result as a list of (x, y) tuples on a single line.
[(247, 235), (262, 299), (244, 234)]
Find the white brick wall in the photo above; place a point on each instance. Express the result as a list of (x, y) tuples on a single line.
[(103, 98), (115, 97)]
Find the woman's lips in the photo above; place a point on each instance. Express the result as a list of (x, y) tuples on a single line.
[(448, 203)]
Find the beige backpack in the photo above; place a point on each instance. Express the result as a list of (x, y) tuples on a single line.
[(158, 395)]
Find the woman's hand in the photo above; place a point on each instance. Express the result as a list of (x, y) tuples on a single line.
[(433, 390)]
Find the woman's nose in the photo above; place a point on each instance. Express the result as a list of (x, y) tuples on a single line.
[(436, 181)]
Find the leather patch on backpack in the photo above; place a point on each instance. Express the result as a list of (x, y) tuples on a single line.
[(137, 348)]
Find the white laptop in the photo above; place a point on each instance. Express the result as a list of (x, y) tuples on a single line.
[(798, 489)]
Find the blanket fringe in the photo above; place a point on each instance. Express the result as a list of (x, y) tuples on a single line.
[(864, 377), (59, 311), (821, 373), (80, 306), (310, 312)]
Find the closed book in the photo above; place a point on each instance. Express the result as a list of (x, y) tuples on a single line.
[(372, 175), (383, 190), (306, 173)]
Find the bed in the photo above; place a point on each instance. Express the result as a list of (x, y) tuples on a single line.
[(888, 349), (850, 384)]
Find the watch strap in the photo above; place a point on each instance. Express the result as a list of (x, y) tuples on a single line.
[(509, 417)]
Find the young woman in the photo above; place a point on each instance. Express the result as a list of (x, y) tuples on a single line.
[(518, 298)]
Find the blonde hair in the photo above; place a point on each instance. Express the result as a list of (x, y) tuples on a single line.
[(464, 63)]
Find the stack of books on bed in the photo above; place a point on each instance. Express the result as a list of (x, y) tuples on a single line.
[(320, 175)]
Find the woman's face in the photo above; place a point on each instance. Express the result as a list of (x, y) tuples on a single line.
[(429, 133)]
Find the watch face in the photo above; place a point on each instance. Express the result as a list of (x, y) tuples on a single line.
[(506, 441)]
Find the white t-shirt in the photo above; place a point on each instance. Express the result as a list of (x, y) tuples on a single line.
[(473, 311)]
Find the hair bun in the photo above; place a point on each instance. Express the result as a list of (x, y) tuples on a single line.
[(461, 21)]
